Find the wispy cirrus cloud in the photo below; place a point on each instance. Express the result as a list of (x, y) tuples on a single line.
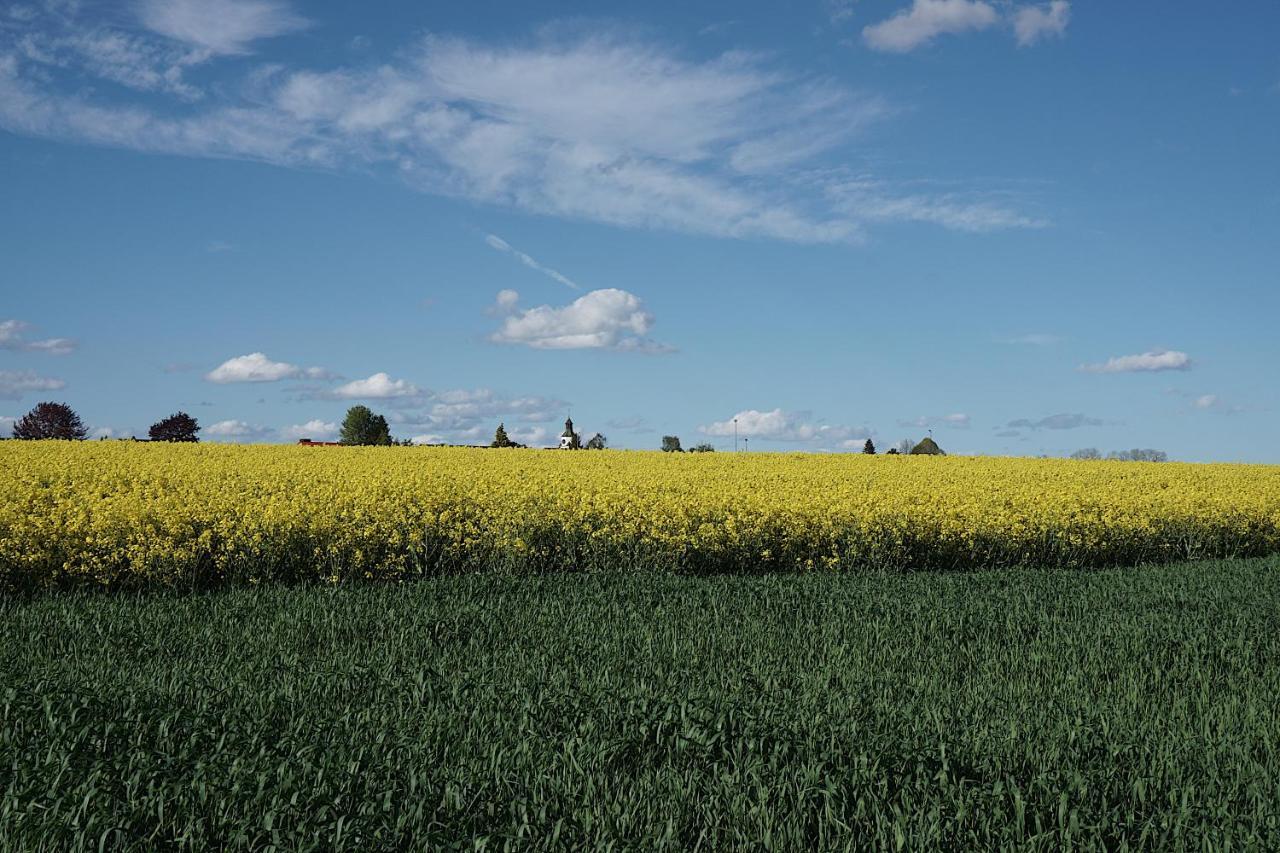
[(220, 27), (13, 337), (496, 242), (603, 127), (1153, 361)]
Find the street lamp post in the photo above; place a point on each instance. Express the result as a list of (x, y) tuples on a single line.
[(735, 435)]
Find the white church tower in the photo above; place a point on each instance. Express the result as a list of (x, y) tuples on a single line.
[(568, 438)]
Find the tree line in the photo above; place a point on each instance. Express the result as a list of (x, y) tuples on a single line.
[(363, 427)]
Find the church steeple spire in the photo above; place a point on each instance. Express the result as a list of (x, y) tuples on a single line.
[(568, 438)]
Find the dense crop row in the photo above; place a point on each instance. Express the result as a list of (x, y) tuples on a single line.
[(1017, 709), (120, 514)]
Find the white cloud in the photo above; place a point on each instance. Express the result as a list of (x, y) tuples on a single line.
[(1062, 421), (379, 386), (921, 23), (1215, 403), (876, 201), (220, 26), (469, 416), (428, 438), (256, 367), (503, 246), (957, 421), (778, 425), (126, 59), (601, 319), (532, 436), (314, 429), (12, 337), (15, 383), (507, 301), (1033, 23), (603, 128), (234, 430), (925, 20), (1155, 360), (6, 425)]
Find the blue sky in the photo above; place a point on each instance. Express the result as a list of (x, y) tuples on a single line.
[(1030, 227)]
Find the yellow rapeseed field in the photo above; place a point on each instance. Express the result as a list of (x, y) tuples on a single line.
[(120, 513)]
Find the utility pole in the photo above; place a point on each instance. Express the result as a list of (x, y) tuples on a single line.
[(735, 435)]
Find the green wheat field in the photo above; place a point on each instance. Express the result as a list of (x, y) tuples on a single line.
[(1120, 709)]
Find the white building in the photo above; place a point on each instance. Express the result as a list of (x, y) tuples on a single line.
[(568, 438)]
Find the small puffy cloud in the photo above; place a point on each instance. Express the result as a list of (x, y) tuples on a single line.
[(601, 319), (234, 430), (256, 367), (925, 20), (958, 421), (220, 27), (427, 438), (379, 386), (779, 425), (314, 429), (1062, 421), (1033, 23), (1215, 403), (15, 383), (507, 301), (1147, 362), (13, 337), (6, 425)]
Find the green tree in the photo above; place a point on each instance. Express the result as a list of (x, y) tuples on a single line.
[(704, 447), (361, 426), (671, 444), (597, 442), (177, 427), (50, 420), (500, 438), (869, 448), (927, 447)]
